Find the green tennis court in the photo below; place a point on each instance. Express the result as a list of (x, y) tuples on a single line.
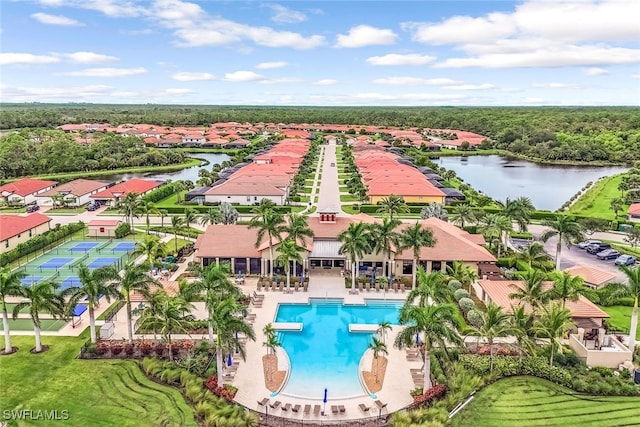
[(27, 325)]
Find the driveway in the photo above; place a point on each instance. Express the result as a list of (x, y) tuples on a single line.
[(329, 192)]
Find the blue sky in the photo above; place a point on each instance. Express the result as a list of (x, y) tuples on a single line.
[(321, 53)]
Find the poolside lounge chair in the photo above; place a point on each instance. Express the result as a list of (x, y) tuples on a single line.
[(380, 405), (295, 408), (377, 287), (257, 296), (342, 409), (316, 410), (295, 287), (306, 286), (368, 287), (334, 409), (401, 287), (364, 408), (286, 407), (275, 404), (263, 401), (307, 410)]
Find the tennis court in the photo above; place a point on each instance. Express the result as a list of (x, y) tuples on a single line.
[(30, 280), (55, 263), (27, 324), (124, 247), (102, 262), (83, 246)]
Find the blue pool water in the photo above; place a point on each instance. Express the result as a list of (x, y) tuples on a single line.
[(325, 354)]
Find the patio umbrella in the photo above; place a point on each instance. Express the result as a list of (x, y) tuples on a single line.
[(229, 360), (324, 401), (237, 349), (417, 340)]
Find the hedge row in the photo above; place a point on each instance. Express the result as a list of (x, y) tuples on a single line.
[(178, 210), (39, 242), (159, 193)]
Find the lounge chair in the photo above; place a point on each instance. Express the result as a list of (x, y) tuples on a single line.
[(401, 287), (368, 287), (334, 409), (342, 409), (364, 408), (316, 410), (286, 407), (380, 405), (306, 286), (275, 404), (257, 296), (377, 287), (295, 408), (263, 401), (295, 287), (307, 409)]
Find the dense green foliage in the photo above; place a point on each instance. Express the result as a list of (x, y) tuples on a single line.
[(160, 193), (40, 241), (37, 152)]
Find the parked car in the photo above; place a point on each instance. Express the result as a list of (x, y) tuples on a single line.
[(625, 260), (608, 254), (595, 248), (32, 208), (583, 245)]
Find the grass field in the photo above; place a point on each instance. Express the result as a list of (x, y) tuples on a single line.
[(620, 318), (94, 392), (530, 401), (596, 201)]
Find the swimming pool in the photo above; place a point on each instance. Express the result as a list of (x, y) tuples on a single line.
[(325, 354)]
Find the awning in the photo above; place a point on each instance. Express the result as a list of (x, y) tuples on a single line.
[(326, 249)]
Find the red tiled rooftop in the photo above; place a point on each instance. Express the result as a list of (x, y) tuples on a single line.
[(138, 186), (26, 186), (104, 222), (77, 187), (12, 225), (634, 209)]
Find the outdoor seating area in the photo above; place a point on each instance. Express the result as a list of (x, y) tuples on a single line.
[(281, 286), (309, 410)]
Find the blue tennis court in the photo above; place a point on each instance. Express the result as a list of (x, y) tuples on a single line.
[(124, 247), (56, 262), (27, 281), (70, 282), (83, 246), (101, 262)]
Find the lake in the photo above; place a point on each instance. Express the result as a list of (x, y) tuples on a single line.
[(548, 186), (184, 174)]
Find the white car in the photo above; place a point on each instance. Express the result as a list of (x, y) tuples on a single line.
[(583, 245)]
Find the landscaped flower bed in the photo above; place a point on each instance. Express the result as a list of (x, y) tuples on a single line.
[(121, 349)]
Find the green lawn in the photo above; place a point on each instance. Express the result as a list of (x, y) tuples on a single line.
[(530, 401), (620, 318), (171, 201), (12, 210), (94, 392), (596, 200), (348, 198), (27, 324), (66, 211), (171, 244)]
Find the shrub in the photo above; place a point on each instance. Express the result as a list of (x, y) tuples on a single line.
[(102, 348), (129, 349), (159, 349), (466, 304), (116, 348), (435, 392), (122, 230), (460, 293), (145, 348), (455, 285), (474, 317)]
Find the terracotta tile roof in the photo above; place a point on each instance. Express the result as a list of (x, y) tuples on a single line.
[(384, 188), (592, 275), (136, 185), (226, 241), (499, 291), (26, 186), (77, 187), (12, 225), (236, 187), (104, 222), (329, 230), (634, 209)]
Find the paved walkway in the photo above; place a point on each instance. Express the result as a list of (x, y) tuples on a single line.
[(329, 195)]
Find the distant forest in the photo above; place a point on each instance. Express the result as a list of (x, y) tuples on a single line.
[(609, 134)]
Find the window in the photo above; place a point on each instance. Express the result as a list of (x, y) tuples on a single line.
[(436, 265), (30, 233), (255, 199), (19, 235), (407, 267), (102, 229), (6, 243)]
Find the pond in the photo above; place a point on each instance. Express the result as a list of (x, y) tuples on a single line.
[(184, 174), (548, 186)]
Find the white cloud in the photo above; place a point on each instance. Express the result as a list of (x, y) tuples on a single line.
[(531, 100), (366, 35), (635, 76), (282, 80), (45, 18), (26, 58), (244, 76), (283, 15), (176, 91), (483, 86), (416, 81), (325, 82), (271, 65), (112, 8), (462, 29), (556, 85), (186, 76), (107, 72), (595, 72), (66, 94), (407, 96), (143, 32), (401, 60), (88, 57)]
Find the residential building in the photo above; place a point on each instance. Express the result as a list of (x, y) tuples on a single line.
[(113, 195), (593, 277), (75, 193), (634, 212), (103, 227), (16, 229), (24, 191)]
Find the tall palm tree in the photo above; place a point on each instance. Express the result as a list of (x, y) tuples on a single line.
[(163, 214), (633, 274), (228, 323), (494, 323), (431, 289), (393, 205), (168, 315), (93, 284), (135, 277), (190, 216), (553, 325), (436, 325), (522, 323), (496, 226), (176, 224), (532, 291), (148, 208), (568, 231), (270, 224), (10, 286), (355, 243), (288, 251), (415, 238), (271, 338), (463, 214), (378, 347), (383, 328), (151, 247), (534, 255), (567, 287), (178, 188), (42, 297), (130, 207), (384, 237), (463, 273), (212, 216), (518, 210), (297, 229)]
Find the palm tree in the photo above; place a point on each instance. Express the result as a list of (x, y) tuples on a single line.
[(298, 230), (534, 255), (178, 188), (495, 323), (617, 203), (228, 214), (518, 210), (378, 347), (393, 205), (554, 324), (568, 287), (355, 243), (151, 247), (633, 274), (435, 323), (270, 224), (532, 291), (431, 289), (43, 297), (168, 315), (135, 277), (383, 236), (495, 226), (93, 284), (176, 224), (383, 328), (10, 286), (463, 214), (415, 238), (163, 213), (522, 323), (272, 341), (190, 216), (228, 323), (288, 251), (147, 208), (463, 273), (212, 216), (130, 207), (567, 230)]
